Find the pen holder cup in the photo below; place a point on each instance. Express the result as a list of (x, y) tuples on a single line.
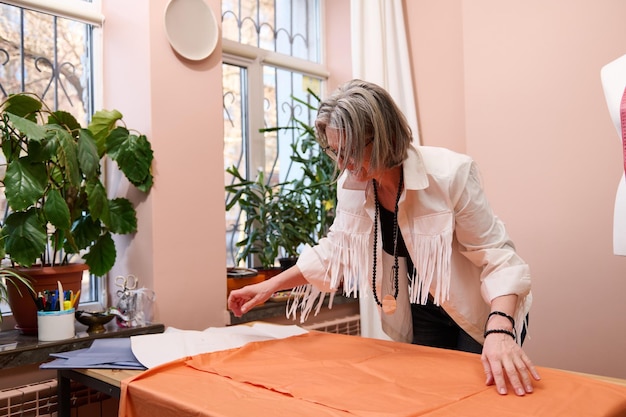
[(55, 325)]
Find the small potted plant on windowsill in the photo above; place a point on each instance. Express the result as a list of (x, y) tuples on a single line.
[(58, 208), (276, 218)]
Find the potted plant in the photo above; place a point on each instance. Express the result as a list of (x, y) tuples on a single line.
[(58, 208), (10, 276), (279, 218), (274, 218)]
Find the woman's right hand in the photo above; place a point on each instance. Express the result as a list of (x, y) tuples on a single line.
[(240, 301)]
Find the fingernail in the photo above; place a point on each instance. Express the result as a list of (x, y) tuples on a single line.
[(502, 391), (520, 391), (529, 388)]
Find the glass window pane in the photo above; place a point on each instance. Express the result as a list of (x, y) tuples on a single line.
[(48, 56), (235, 149), (282, 90), (289, 27), (267, 95)]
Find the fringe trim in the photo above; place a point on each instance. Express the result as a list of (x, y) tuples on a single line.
[(303, 298), (350, 256), (521, 317), (432, 259)]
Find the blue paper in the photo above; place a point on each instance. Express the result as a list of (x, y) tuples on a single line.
[(113, 353)]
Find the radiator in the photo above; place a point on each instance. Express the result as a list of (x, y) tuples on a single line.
[(350, 325), (40, 399)]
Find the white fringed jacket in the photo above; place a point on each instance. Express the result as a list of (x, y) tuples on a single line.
[(460, 249)]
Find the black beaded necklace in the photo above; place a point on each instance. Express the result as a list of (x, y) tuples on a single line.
[(389, 301)]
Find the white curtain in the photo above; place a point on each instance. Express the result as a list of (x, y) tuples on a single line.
[(380, 54)]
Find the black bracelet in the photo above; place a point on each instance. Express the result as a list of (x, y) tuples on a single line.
[(499, 313), (503, 331)]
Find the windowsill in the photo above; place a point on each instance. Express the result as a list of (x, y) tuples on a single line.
[(17, 349)]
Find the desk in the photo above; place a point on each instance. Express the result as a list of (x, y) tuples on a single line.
[(320, 374), (28, 350), (107, 381)]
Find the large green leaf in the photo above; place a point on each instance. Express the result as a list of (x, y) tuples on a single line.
[(25, 236), (63, 118), (123, 218), (101, 256), (44, 150), (67, 156), (88, 154), (56, 210), (23, 105), (28, 127), (133, 155), (85, 231), (102, 122), (25, 183), (97, 200)]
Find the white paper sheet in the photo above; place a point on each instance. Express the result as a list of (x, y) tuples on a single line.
[(156, 349)]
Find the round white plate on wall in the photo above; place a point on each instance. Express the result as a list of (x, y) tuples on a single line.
[(191, 28)]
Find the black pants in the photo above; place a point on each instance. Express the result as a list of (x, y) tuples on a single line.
[(433, 327)]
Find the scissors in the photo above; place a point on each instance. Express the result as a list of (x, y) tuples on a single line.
[(126, 284)]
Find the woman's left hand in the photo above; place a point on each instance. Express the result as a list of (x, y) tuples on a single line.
[(504, 359)]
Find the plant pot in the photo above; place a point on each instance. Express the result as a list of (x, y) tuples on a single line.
[(240, 277), (42, 278), (288, 262), (269, 272)]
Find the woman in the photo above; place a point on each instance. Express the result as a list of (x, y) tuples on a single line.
[(447, 274)]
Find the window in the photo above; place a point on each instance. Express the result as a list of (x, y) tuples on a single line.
[(48, 49), (271, 58)]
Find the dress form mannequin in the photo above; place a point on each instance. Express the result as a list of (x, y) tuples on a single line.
[(613, 77)]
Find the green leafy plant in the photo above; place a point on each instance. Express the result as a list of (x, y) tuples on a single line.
[(12, 277), (57, 204), (281, 217)]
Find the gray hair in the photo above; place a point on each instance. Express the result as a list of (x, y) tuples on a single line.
[(364, 112)]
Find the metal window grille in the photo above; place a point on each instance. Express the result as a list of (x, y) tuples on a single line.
[(271, 55)]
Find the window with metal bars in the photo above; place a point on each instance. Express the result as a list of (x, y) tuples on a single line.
[(272, 58), (51, 53)]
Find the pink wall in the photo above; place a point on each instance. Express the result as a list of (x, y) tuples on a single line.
[(514, 84), (179, 250), (517, 86)]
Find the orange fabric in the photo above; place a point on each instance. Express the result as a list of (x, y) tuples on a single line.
[(321, 374)]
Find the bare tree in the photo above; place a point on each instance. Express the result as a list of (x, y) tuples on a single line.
[(45, 55)]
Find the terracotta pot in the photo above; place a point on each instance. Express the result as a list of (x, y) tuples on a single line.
[(240, 277), (269, 272), (42, 278)]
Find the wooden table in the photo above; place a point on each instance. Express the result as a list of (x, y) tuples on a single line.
[(29, 350)]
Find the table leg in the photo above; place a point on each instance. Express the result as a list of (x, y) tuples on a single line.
[(64, 393)]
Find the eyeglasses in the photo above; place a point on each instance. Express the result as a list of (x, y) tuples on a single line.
[(333, 154)]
